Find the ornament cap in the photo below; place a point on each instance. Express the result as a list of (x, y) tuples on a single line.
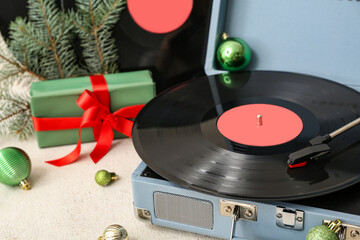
[(224, 36), (114, 177), (335, 226), (25, 184)]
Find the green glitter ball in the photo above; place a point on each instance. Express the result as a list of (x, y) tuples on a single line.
[(15, 167), (233, 54), (321, 232), (103, 177)]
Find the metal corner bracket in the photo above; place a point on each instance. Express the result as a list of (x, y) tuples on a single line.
[(143, 215)]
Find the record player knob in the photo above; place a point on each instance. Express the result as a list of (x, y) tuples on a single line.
[(325, 232)]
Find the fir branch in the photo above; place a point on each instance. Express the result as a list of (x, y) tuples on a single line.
[(25, 104), (53, 45), (93, 22), (25, 58), (47, 39), (15, 112), (95, 31), (26, 122), (95, 36), (34, 74), (10, 75), (33, 38), (11, 67), (80, 26), (21, 68), (107, 15), (61, 33)]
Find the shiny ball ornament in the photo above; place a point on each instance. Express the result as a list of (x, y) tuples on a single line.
[(233, 54), (15, 167), (323, 232), (114, 232), (104, 177)]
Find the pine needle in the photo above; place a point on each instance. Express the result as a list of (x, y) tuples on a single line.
[(15, 112)]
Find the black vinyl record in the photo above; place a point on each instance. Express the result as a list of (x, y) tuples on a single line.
[(177, 135)]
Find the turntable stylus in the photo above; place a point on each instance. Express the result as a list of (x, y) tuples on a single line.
[(318, 147)]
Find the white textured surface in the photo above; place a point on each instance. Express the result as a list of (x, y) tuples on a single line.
[(66, 203)]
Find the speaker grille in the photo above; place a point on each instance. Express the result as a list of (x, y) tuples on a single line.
[(185, 210)]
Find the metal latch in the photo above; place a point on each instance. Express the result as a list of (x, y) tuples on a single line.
[(348, 232), (237, 211), (289, 218)]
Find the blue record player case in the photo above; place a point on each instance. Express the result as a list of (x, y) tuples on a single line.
[(167, 204), (315, 37)]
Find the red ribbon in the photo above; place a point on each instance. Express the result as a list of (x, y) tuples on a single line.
[(96, 115)]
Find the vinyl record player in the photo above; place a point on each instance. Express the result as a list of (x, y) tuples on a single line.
[(318, 38)]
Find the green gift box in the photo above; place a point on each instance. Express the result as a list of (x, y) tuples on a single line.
[(57, 99)]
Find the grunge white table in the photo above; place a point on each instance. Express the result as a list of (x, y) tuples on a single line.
[(66, 203)]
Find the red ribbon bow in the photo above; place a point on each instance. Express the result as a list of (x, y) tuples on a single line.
[(98, 116)]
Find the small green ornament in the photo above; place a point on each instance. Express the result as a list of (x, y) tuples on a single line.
[(103, 177), (325, 232), (114, 232), (15, 167), (233, 54)]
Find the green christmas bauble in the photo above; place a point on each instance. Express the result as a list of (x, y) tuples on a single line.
[(15, 167), (104, 177), (321, 232), (233, 54)]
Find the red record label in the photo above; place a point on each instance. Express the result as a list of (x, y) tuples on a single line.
[(260, 125), (160, 16)]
